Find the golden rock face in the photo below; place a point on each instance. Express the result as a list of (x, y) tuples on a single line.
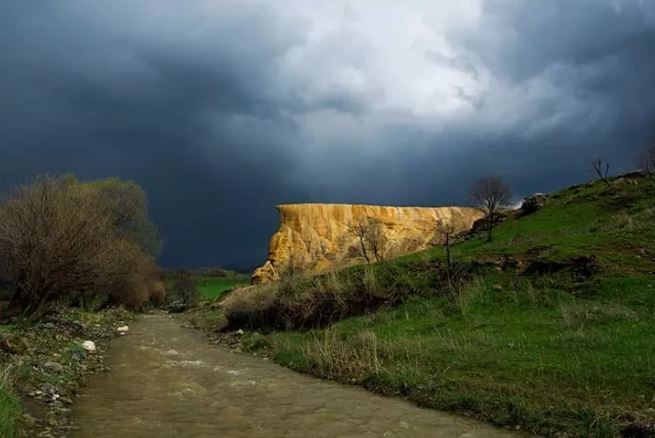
[(315, 238)]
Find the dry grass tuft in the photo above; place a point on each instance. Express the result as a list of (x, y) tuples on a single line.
[(578, 315), (333, 357)]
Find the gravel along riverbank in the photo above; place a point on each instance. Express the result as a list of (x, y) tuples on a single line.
[(44, 364)]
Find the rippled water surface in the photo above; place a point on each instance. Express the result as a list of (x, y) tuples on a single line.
[(167, 381)]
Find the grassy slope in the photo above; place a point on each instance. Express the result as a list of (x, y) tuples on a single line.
[(544, 353)]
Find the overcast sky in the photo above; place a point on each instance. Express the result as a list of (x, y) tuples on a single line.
[(222, 109)]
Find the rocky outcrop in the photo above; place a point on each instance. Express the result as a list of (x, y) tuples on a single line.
[(315, 238), (532, 204)]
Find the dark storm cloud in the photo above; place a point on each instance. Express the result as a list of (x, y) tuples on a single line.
[(223, 109), (81, 98)]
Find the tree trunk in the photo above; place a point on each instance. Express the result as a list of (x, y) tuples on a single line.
[(448, 252), (31, 305), (364, 253), (490, 227), (38, 309), (18, 303)]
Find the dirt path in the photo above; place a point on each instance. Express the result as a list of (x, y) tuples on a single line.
[(167, 381)]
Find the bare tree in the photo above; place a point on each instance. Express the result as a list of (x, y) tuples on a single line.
[(57, 243), (447, 228), (490, 194), (376, 238), (186, 288), (602, 169), (360, 229), (647, 159)]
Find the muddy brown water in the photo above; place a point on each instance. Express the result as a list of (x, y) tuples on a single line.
[(167, 381)]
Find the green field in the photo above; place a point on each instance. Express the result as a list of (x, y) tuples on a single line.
[(211, 287), (550, 353)]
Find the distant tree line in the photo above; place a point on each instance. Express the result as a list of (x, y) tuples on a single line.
[(67, 242)]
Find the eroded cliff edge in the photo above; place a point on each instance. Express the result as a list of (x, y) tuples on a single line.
[(315, 238)]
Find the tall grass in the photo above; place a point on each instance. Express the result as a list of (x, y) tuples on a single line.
[(352, 361)]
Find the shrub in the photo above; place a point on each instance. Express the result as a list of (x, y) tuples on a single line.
[(306, 303), (65, 241), (248, 306), (186, 288)]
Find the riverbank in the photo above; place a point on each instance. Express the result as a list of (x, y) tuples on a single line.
[(44, 364)]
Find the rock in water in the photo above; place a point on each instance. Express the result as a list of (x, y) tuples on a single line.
[(315, 238), (89, 346), (123, 329)]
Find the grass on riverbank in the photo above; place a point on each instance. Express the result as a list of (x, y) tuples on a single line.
[(9, 405), (43, 364), (531, 340)]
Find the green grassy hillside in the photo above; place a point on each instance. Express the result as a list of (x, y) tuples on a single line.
[(549, 328)]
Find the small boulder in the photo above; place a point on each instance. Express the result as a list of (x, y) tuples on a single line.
[(123, 329), (533, 203), (54, 367), (89, 346)]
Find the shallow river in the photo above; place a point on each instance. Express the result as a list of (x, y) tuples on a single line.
[(167, 381)]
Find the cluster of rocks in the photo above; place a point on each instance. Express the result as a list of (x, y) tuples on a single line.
[(54, 357)]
